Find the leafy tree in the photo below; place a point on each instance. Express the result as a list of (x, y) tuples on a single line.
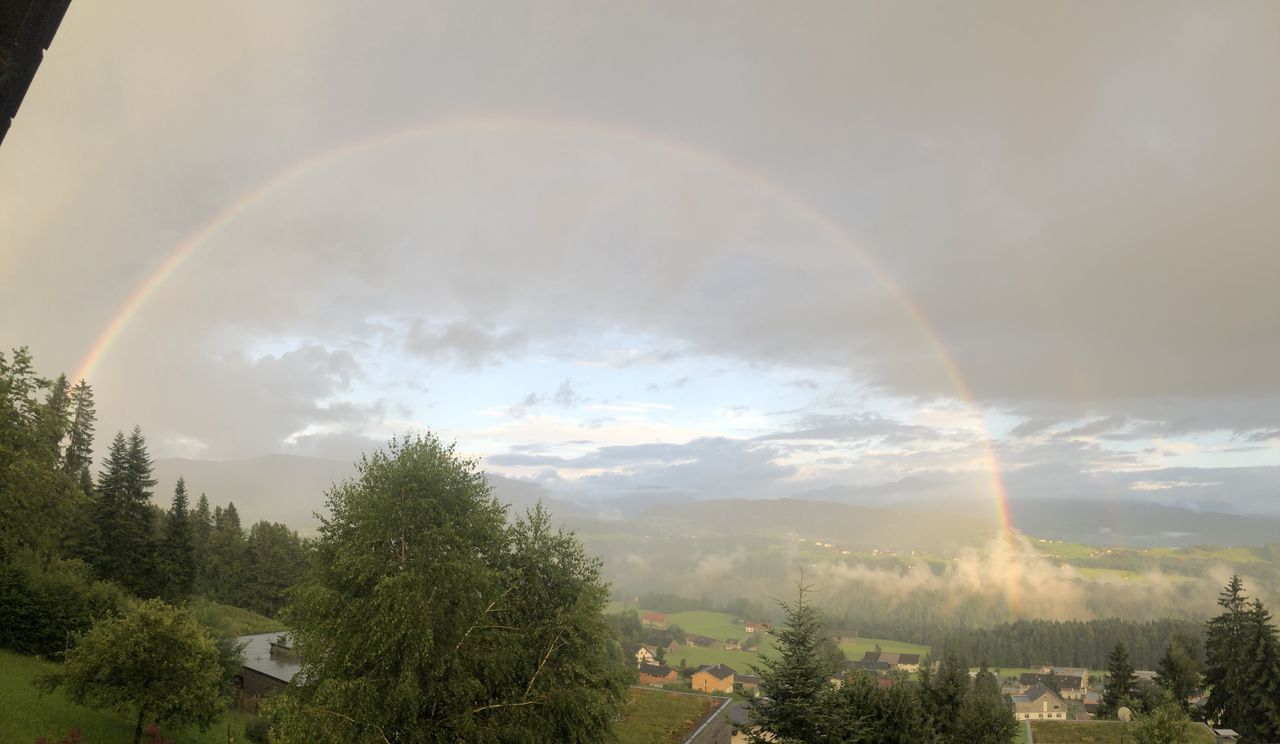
[(986, 683), (425, 618), (984, 719), (1117, 690), (1179, 669), (178, 548), (276, 559), (860, 710), (154, 661), (36, 496), (792, 682), (1166, 723)]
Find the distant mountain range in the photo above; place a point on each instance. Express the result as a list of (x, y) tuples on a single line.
[(289, 488)]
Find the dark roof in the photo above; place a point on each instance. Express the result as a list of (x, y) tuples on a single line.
[(656, 670), (699, 640), (719, 671), (908, 658), (256, 655), (740, 713), (748, 679), (1032, 678), (1034, 694)]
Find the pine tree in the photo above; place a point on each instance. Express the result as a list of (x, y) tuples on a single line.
[(79, 453), (201, 527), (178, 550), (1225, 660), (124, 550), (1117, 691), (986, 682), (792, 683), (1260, 719), (226, 557), (944, 692)]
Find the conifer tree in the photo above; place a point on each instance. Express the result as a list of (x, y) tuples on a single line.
[(944, 692), (1260, 717), (79, 453), (1225, 662), (225, 556), (793, 681), (125, 547), (1118, 689), (179, 553)]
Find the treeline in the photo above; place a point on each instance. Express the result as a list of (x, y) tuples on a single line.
[(1084, 643), (73, 546)]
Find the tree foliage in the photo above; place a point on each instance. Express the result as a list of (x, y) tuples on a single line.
[(426, 618), (154, 662)]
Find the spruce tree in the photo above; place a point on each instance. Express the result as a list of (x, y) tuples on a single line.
[(79, 453), (201, 526), (1117, 691), (944, 692), (792, 682), (1225, 659), (106, 548), (124, 550), (179, 553), (1260, 714)]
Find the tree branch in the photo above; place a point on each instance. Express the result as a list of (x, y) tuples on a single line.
[(551, 649), (486, 612), (381, 733)]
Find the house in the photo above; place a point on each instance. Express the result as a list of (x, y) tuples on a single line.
[(1039, 703), (752, 626), (657, 674), (843, 636), (267, 663), (654, 619), (733, 645), (1225, 736), (718, 678), (642, 654), (1069, 687), (899, 661), (693, 639), (746, 682), (1091, 702)]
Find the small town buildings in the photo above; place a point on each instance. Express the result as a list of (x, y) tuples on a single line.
[(1069, 687), (1040, 704), (657, 674), (746, 683), (899, 661), (718, 678), (642, 654), (267, 663), (733, 644), (1225, 736), (693, 639)]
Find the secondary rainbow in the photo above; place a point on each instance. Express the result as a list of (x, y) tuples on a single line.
[(175, 257)]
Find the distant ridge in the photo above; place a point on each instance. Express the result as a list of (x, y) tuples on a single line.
[(289, 488)]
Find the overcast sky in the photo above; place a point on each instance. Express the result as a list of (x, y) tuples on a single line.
[(719, 248)]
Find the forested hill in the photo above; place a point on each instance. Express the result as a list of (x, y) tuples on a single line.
[(289, 488), (1139, 524)]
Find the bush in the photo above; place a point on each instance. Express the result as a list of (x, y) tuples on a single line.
[(258, 730), (41, 610)]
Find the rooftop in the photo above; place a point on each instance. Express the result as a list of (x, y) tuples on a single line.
[(257, 656)]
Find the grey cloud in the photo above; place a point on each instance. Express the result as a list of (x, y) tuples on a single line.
[(566, 396)]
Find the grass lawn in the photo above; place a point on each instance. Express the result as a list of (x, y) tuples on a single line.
[(228, 621), (856, 650), (717, 625), (1097, 732), (28, 714), (656, 717)]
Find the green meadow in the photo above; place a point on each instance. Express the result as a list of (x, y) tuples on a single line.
[(28, 714)]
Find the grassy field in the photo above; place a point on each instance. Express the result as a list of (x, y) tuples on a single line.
[(856, 650), (718, 625), (1097, 732), (227, 621), (654, 717), (27, 714), (741, 661)]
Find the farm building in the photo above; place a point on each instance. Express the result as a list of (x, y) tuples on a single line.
[(899, 661), (654, 619), (268, 663), (718, 678), (657, 674), (1039, 704)]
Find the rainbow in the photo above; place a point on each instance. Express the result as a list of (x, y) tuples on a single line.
[(176, 256)]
